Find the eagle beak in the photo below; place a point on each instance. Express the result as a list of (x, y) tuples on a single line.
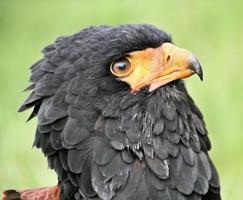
[(178, 63), (155, 67)]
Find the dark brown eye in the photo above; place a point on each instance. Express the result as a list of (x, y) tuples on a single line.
[(121, 67)]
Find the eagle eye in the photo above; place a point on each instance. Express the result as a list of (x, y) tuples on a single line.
[(121, 68)]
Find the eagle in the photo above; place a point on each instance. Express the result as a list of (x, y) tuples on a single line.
[(115, 120)]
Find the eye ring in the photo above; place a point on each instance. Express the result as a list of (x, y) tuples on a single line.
[(121, 67)]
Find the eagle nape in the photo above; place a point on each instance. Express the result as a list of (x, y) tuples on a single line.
[(115, 120)]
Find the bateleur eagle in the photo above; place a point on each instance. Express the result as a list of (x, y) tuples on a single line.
[(115, 120)]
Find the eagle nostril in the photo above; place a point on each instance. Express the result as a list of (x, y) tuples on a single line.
[(168, 58)]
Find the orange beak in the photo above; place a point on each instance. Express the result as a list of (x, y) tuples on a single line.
[(159, 66)]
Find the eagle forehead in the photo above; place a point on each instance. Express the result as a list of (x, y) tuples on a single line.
[(122, 38)]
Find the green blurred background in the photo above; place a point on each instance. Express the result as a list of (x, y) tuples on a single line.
[(213, 30)]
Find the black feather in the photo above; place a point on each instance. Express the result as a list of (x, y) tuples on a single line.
[(73, 134), (188, 155), (102, 152), (55, 139), (159, 127), (127, 156), (159, 167), (76, 160)]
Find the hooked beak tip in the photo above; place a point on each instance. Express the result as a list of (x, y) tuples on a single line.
[(196, 67)]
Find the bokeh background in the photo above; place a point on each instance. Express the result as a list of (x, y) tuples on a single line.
[(213, 30)]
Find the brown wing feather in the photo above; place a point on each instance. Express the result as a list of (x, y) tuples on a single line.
[(47, 193)]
